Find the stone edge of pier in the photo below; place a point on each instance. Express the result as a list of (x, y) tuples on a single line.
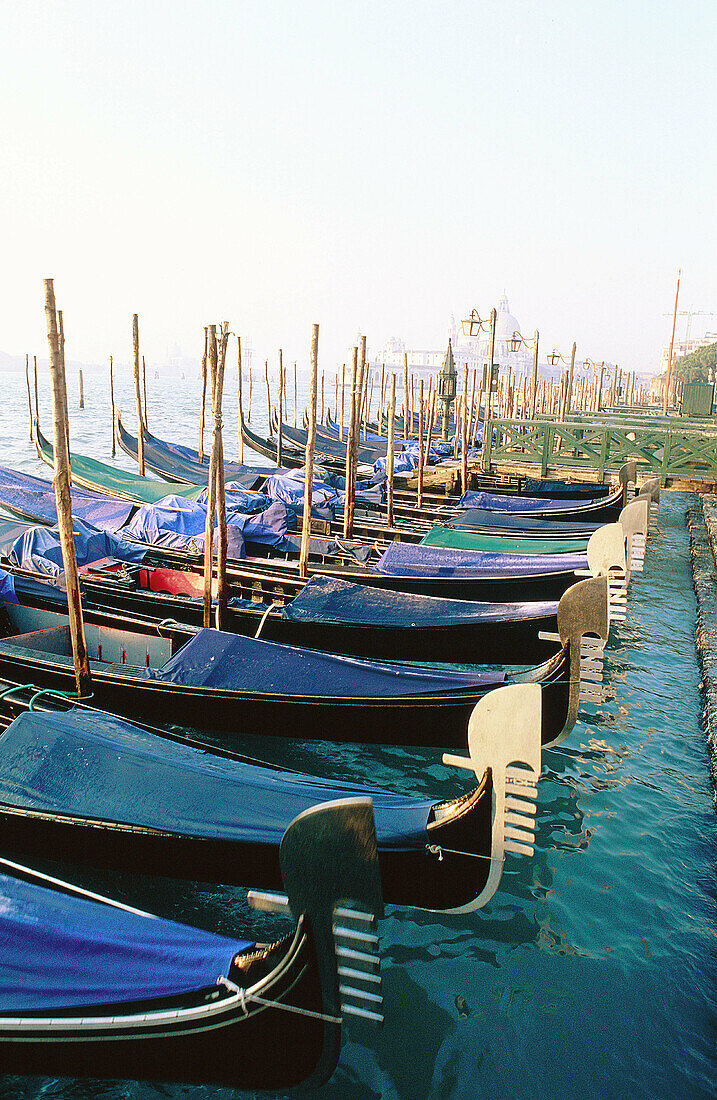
[(702, 526)]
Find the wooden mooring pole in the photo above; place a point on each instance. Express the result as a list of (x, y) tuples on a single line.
[(144, 390), (138, 398), (29, 395), (216, 500), (203, 401), (348, 481), (240, 408), (37, 404), (389, 452), (310, 445), (419, 486), (63, 498), (82, 390), (112, 406), (279, 429)]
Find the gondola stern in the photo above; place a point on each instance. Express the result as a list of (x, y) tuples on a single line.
[(607, 556), (504, 737), (583, 626), (330, 870)]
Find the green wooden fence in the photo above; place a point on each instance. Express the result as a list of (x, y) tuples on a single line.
[(669, 452)]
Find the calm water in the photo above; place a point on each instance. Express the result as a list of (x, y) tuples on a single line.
[(591, 973)]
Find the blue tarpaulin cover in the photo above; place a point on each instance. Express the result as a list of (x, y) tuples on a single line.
[(34, 497), (213, 658), (405, 559), (239, 499), (100, 766), (330, 599), (175, 522), (183, 462), (7, 587), (472, 498), (38, 549), (518, 524), (62, 951), (561, 488)]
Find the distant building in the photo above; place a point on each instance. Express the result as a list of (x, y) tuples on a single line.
[(472, 350), (684, 347)]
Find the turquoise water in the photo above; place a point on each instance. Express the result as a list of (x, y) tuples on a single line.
[(591, 972)]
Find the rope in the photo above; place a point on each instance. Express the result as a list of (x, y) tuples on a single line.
[(15, 687), (438, 850), (51, 691), (244, 997)]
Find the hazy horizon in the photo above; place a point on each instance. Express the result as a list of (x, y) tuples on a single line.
[(365, 166)]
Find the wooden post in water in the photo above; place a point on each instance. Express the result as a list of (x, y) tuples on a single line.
[(348, 486), (112, 406), (389, 452), (569, 391), (310, 445), (63, 498), (473, 402), (464, 432), (212, 357), (218, 444), (203, 401), (668, 375), (279, 432), (82, 390), (216, 500), (343, 388), (240, 406), (37, 404), (251, 387), (336, 394), (367, 415), (29, 395), (268, 396), (322, 398), (295, 394), (382, 395), (485, 465), (405, 395), (138, 399), (419, 487), (431, 421), (144, 391)]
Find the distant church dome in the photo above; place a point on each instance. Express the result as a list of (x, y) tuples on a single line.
[(505, 324)]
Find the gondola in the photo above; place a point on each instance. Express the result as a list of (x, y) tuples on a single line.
[(322, 613), (90, 987), (176, 463), (448, 574), (92, 789), (325, 614), (95, 476), (235, 685), (292, 457), (413, 569), (327, 446)]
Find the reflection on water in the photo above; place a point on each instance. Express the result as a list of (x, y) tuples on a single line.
[(589, 972)]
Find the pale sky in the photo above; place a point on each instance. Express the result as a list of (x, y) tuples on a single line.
[(367, 165)]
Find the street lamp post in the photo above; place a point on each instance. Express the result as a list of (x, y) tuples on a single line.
[(473, 326), (553, 358), (514, 344)]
